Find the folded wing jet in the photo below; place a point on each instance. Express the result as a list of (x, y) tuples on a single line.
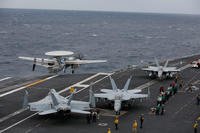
[(54, 103)]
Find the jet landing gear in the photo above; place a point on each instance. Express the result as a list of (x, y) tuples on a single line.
[(117, 113), (73, 71)]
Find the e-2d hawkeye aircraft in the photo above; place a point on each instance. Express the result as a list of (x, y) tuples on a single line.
[(54, 103), (60, 60), (161, 71), (120, 95)]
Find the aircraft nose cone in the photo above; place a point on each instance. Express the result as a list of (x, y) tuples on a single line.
[(117, 105), (159, 73)]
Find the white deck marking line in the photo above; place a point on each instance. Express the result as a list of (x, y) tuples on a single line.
[(94, 82), (1, 131), (29, 85), (13, 114), (146, 85), (5, 78), (184, 106), (80, 83), (185, 67)]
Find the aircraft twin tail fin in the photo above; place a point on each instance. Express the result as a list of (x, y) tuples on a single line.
[(25, 100), (127, 84), (157, 63), (149, 93), (114, 86), (166, 63), (70, 97), (92, 98), (53, 97)]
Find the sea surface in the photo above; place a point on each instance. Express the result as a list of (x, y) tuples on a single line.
[(121, 38)]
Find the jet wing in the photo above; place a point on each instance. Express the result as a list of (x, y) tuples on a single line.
[(51, 111), (77, 62), (134, 91), (108, 96), (38, 61), (171, 69), (79, 111), (80, 105), (134, 96), (41, 105), (151, 68), (106, 90)]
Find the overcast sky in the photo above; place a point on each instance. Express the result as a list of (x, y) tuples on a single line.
[(158, 6)]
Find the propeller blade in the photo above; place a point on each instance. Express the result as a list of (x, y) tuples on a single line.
[(72, 71), (34, 64), (80, 56), (33, 69), (64, 68)]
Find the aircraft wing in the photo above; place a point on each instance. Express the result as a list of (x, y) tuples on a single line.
[(80, 105), (77, 62), (171, 69), (38, 61), (106, 90), (151, 68), (79, 111), (41, 105), (134, 91), (134, 96), (102, 95), (51, 111)]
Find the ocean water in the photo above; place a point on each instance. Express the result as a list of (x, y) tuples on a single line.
[(121, 38)]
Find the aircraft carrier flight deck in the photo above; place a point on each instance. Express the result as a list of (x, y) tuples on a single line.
[(180, 110)]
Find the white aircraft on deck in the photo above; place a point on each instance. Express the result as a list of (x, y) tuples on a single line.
[(60, 60), (54, 103), (161, 71), (121, 95)]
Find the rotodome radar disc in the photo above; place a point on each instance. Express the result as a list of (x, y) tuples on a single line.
[(59, 53)]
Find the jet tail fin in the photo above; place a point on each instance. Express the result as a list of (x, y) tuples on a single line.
[(127, 84), (149, 93), (25, 100), (157, 63), (92, 98), (166, 63), (114, 86), (53, 97), (70, 97)]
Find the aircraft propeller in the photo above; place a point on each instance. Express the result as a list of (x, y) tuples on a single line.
[(80, 56)]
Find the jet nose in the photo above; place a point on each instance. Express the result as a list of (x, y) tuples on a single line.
[(117, 105), (159, 74)]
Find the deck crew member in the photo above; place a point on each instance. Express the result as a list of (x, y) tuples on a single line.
[(109, 131), (141, 120), (198, 99), (195, 126), (162, 109), (116, 122), (134, 126)]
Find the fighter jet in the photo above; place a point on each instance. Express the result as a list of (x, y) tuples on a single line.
[(120, 95), (60, 60), (161, 71), (54, 103)]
